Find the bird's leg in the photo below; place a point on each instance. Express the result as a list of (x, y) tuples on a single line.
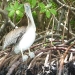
[(22, 54), (31, 54), (24, 57), (29, 50)]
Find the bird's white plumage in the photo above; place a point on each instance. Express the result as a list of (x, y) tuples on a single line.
[(26, 41)]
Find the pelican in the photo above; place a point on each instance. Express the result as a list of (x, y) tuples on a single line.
[(22, 37)]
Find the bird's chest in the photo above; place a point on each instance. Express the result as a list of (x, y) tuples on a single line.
[(27, 39)]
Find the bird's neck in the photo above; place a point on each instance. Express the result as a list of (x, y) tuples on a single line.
[(31, 22)]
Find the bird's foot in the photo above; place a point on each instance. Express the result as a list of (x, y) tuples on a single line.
[(24, 57), (31, 54)]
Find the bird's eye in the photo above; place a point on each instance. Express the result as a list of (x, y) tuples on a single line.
[(27, 8)]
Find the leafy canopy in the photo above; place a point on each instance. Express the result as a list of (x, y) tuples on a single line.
[(15, 8)]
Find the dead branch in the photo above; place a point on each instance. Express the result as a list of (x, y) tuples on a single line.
[(13, 67), (63, 58), (64, 5), (7, 21)]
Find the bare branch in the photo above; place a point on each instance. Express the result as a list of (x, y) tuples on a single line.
[(6, 20), (64, 5)]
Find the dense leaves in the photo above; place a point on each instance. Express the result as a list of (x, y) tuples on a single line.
[(15, 8)]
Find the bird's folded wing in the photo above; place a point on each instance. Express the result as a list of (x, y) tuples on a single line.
[(14, 36)]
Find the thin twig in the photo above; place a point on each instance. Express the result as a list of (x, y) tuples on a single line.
[(64, 5), (66, 21), (47, 28), (52, 31)]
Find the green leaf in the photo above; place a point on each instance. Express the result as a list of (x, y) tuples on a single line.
[(48, 5), (33, 3), (41, 5), (8, 9), (34, 13), (11, 6), (53, 11), (11, 13), (42, 10), (16, 5), (19, 13), (20, 7), (45, 44), (48, 14)]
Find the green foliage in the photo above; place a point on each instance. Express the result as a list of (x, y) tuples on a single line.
[(42, 7), (54, 5), (72, 22), (48, 13), (32, 2), (15, 8), (47, 9), (53, 11)]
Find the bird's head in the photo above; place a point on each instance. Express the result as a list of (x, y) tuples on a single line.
[(27, 9)]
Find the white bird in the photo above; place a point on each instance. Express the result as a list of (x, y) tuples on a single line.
[(22, 37)]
